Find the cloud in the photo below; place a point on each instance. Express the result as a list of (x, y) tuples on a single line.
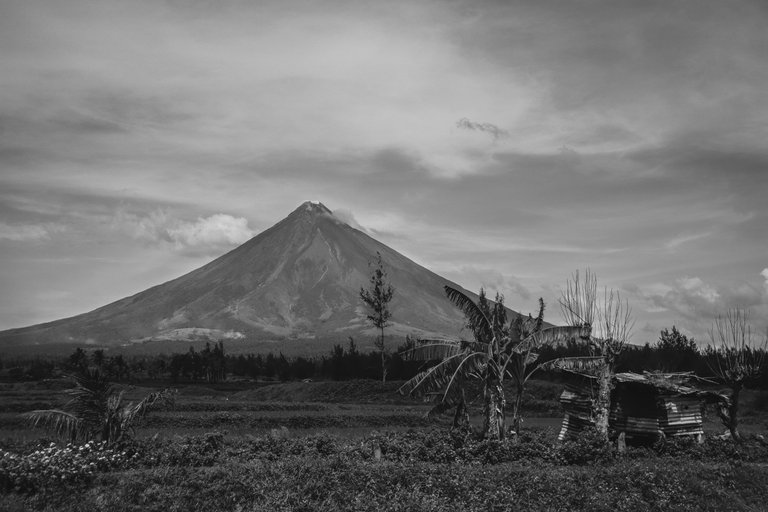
[(696, 288), (345, 216), (27, 232), (684, 239), (764, 273), (205, 235), (696, 300), (215, 231), (493, 281), (495, 132)]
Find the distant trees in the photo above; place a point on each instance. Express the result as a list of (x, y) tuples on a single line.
[(78, 360), (376, 299), (676, 351), (208, 365)]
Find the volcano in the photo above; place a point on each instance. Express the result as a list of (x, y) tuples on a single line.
[(298, 280)]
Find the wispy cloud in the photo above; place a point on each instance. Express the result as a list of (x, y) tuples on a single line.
[(684, 239), (27, 232)]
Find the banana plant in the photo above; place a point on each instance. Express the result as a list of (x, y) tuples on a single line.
[(497, 351)]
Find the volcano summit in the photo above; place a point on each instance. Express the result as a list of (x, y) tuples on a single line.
[(298, 280)]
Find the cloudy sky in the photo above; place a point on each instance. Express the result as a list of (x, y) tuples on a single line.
[(503, 144)]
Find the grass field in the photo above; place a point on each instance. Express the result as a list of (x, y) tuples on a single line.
[(223, 448)]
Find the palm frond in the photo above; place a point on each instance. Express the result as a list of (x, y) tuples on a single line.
[(478, 322), (517, 364), (431, 379), (131, 413), (64, 424), (441, 377), (427, 350), (561, 335), (530, 358), (586, 365), (547, 337), (151, 401), (90, 396), (538, 322), (457, 372)]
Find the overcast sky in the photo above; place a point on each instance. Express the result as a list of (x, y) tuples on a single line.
[(503, 144)]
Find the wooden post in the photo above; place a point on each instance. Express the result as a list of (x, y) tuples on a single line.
[(621, 443)]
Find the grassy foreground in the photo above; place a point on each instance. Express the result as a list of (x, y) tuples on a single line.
[(177, 463), (419, 470), (297, 484)]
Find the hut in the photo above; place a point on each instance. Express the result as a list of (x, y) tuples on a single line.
[(643, 406)]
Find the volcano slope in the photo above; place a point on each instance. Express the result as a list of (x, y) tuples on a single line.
[(297, 281)]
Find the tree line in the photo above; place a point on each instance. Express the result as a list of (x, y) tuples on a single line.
[(671, 352), (212, 364)]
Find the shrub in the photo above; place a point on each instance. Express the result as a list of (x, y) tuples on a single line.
[(194, 451), (588, 448), (684, 446)]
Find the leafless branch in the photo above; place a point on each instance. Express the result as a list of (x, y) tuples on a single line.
[(579, 300)]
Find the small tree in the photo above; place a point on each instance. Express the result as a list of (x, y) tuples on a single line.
[(736, 359), (377, 299)]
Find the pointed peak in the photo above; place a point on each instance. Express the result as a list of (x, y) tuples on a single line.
[(313, 207)]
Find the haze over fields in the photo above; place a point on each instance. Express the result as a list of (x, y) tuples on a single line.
[(498, 144)]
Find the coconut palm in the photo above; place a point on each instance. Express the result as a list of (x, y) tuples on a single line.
[(498, 350), (96, 410)]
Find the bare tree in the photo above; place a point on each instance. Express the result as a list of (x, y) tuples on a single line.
[(611, 323), (736, 358)]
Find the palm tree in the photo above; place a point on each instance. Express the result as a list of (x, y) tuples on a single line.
[(96, 410), (498, 350)]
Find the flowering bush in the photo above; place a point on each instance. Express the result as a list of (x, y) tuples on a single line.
[(55, 465)]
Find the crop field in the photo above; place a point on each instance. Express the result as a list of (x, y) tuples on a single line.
[(359, 446)]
